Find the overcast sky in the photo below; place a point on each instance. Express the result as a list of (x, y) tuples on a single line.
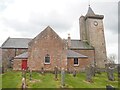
[(27, 18)]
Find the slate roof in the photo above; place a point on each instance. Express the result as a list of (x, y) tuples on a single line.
[(22, 56), (90, 12), (70, 54), (16, 43), (73, 54), (78, 44), (23, 43)]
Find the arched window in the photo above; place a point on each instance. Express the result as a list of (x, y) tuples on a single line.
[(47, 59)]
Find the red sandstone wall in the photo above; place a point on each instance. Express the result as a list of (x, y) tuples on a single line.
[(89, 53), (83, 62), (47, 42)]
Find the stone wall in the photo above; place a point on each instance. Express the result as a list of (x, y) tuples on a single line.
[(97, 40), (89, 53), (8, 56), (83, 62), (47, 42), (17, 63)]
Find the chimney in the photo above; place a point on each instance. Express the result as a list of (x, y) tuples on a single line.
[(69, 41)]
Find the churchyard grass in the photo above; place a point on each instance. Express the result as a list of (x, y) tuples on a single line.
[(12, 79), (0, 81)]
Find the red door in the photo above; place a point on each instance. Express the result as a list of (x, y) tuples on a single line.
[(24, 64)]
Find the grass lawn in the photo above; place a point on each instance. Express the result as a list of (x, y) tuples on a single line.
[(0, 81), (12, 79)]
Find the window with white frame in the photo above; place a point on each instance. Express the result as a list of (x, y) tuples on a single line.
[(47, 59), (76, 63)]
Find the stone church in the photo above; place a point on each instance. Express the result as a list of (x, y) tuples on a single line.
[(48, 50)]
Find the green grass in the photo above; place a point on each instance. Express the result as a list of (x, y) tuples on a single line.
[(99, 81), (42, 81), (12, 79), (0, 81)]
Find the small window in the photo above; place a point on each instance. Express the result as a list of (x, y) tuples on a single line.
[(76, 61), (47, 59)]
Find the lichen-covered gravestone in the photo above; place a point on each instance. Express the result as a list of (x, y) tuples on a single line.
[(56, 73), (62, 78), (88, 74), (92, 70), (110, 73), (74, 73), (30, 74)]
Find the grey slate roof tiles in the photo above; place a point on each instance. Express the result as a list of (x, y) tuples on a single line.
[(23, 43), (16, 43), (70, 54), (78, 44), (22, 56), (90, 12), (73, 54)]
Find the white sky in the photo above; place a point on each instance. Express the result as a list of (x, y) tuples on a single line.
[(27, 18)]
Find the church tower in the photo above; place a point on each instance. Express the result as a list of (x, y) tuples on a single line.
[(92, 32)]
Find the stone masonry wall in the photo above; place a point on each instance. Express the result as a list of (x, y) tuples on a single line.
[(83, 62), (89, 53), (47, 42), (97, 40)]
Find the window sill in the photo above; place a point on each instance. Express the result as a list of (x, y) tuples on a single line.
[(76, 65), (47, 63)]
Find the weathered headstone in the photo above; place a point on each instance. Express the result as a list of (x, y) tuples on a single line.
[(118, 71), (30, 74), (28, 69), (56, 73), (74, 73), (42, 71), (24, 73), (62, 78), (98, 71), (2, 69), (88, 74), (23, 83), (110, 73), (92, 70)]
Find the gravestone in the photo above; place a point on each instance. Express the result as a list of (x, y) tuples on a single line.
[(88, 74), (98, 71), (118, 71), (92, 70), (62, 78), (110, 73), (42, 71), (28, 69), (2, 69), (56, 73), (30, 74), (74, 73), (24, 73), (23, 83)]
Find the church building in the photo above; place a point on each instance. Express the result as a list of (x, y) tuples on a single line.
[(48, 50)]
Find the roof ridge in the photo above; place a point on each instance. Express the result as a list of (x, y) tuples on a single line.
[(20, 38)]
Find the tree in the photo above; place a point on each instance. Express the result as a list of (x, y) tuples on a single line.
[(112, 58)]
